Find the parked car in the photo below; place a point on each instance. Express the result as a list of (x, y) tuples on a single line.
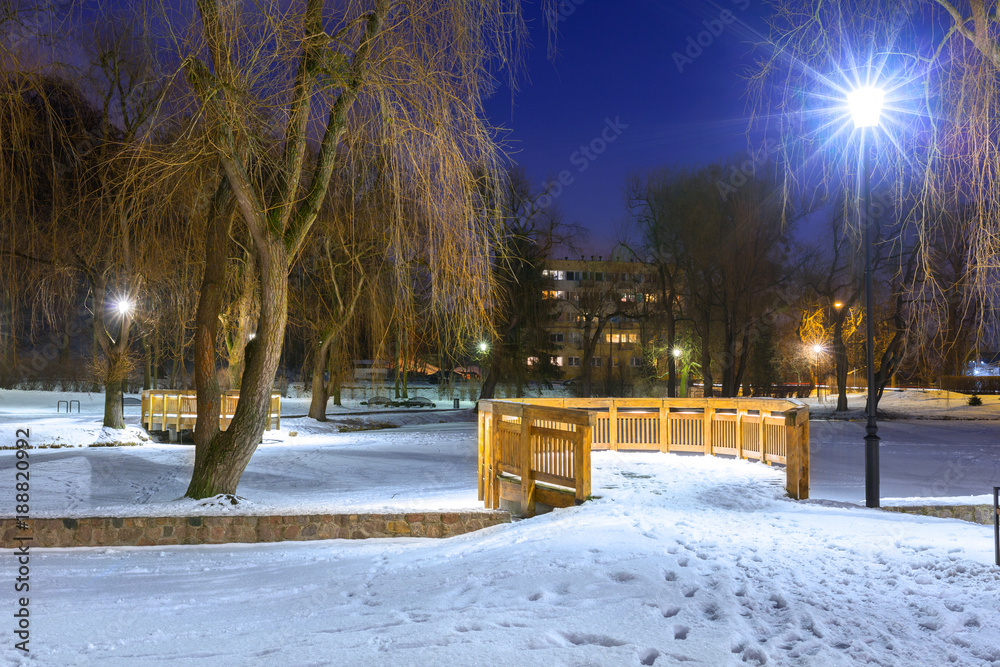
[(416, 402), (379, 402)]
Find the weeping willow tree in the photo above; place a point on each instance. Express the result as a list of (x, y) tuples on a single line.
[(276, 92), (939, 63)]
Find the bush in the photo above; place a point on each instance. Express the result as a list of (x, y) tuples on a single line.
[(975, 400)]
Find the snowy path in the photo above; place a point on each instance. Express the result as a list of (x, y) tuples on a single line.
[(683, 560)]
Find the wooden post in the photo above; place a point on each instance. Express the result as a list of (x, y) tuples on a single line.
[(739, 433), (480, 431), (763, 437), (613, 426), (278, 424), (163, 415), (524, 454), (493, 458), (797, 455), (707, 435), (581, 460), (664, 427)]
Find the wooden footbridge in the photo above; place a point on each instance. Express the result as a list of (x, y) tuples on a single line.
[(175, 411), (538, 450)]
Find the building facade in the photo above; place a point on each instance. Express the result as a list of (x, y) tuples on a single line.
[(615, 298)]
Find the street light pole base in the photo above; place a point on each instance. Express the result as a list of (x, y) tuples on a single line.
[(871, 467)]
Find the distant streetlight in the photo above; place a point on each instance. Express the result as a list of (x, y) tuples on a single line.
[(678, 352), (838, 305), (484, 347), (865, 104), (817, 350)]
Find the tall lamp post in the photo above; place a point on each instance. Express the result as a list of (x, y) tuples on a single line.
[(865, 104), (817, 350), (124, 306)]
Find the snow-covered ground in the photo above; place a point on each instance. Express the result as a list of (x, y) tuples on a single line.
[(682, 559)]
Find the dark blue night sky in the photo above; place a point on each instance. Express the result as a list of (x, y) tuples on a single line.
[(616, 62)]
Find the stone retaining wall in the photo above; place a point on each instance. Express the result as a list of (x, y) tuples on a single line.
[(973, 513), (154, 531)]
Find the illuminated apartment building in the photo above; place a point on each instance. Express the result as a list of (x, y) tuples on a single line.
[(614, 293)]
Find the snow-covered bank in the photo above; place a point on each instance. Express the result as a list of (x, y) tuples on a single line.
[(683, 560), (907, 404)]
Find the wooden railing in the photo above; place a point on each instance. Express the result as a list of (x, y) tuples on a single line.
[(530, 453), (767, 430), (174, 411)]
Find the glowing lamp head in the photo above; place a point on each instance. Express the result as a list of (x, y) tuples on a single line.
[(484, 346), (817, 348), (124, 307), (866, 105), (677, 352)]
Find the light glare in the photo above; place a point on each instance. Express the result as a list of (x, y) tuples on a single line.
[(866, 105), (124, 306)]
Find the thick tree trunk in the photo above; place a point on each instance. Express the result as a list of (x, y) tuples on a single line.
[(840, 361), (489, 387), (147, 364), (333, 389), (156, 362), (206, 377), (226, 456), (113, 404), (320, 395)]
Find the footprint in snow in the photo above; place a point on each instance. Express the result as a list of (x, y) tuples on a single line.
[(584, 639), (669, 611), (670, 575), (689, 591), (681, 631), (648, 656)]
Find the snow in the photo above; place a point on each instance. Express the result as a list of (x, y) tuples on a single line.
[(908, 404), (679, 560)]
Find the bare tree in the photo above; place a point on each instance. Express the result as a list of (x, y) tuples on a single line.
[(406, 76)]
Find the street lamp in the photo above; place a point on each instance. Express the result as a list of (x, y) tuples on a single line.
[(124, 306), (865, 104), (817, 350), (484, 347)]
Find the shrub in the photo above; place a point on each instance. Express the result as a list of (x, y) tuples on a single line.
[(975, 400)]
